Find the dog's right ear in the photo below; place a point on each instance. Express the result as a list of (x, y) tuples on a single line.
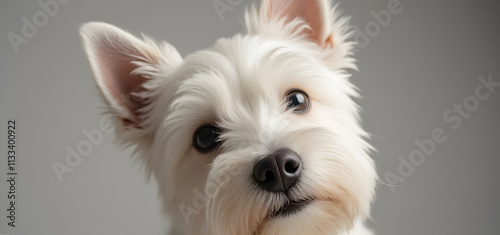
[(125, 69)]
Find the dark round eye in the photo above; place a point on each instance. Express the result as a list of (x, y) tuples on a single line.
[(298, 100), (205, 138)]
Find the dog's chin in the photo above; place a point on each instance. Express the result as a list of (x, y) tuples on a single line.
[(308, 216)]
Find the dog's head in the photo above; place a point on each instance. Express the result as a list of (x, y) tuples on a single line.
[(256, 135)]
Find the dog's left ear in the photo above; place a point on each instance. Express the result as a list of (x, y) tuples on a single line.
[(315, 13), (315, 20)]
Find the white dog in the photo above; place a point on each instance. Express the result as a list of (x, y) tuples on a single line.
[(256, 135)]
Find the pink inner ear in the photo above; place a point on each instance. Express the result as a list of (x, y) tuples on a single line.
[(116, 69), (311, 11)]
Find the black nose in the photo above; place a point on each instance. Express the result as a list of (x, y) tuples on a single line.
[(278, 171)]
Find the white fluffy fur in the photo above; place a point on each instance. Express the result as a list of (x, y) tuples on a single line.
[(239, 84)]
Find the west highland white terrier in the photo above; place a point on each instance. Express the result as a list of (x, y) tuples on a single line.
[(257, 135)]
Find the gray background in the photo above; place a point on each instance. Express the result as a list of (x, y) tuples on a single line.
[(423, 62)]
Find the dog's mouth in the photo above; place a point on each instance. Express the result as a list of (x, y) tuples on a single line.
[(292, 207)]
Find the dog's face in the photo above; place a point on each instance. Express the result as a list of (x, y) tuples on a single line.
[(256, 135)]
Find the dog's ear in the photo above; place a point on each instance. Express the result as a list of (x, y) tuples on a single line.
[(123, 66), (315, 20), (315, 13)]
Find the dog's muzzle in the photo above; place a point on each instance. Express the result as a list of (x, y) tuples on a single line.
[(277, 173)]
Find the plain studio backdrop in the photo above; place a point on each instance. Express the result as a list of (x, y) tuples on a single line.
[(422, 70)]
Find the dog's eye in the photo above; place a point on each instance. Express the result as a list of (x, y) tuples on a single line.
[(205, 138), (298, 100)]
